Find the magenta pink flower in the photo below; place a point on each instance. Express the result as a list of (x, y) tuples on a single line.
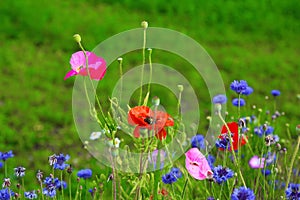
[(96, 65), (197, 165), (255, 162)]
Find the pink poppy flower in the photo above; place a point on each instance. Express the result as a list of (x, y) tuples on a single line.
[(255, 162), (197, 165), (96, 65)]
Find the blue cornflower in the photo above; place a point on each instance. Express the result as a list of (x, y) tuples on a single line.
[(235, 102), (275, 93), (293, 191), (221, 174), (239, 86), (198, 141), (266, 172), (176, 172), (221, 99), (4, 156), (48, 180), (6, 194), (223, 143), (248, 91), (85, 173), (210, 198), (263, 130), (211, 160), (1, 164), (60, 161), (60, 184), (242, 193), (20, 171), (169, 178), (50, 190), (30, 195)]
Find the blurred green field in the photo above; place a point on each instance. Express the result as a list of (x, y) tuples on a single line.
[(251, 40)]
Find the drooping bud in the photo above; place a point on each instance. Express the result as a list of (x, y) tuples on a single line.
[(77, 38)]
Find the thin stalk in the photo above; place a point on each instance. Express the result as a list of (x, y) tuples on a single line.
[(143, 67), (150, 65), (70, 188), (121, 77), (184, 187), (62, 188), (232, 150), (94, 89), (291, 165)]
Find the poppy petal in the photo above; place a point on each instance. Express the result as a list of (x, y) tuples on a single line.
[(70, 73), (162, 134)]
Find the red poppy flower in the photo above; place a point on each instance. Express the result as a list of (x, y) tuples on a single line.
[(234, 129), (144, 117)]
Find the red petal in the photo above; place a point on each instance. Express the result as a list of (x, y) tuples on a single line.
[(162, 134), (136, 132), (138, 114)]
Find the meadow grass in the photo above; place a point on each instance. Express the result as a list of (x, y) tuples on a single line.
[(256, 41)]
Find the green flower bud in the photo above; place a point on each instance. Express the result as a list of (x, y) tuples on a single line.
[(77, 38), (144, 24), (155, 101), (180, 88)]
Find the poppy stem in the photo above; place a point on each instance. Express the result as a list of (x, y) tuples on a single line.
[(291, 165), (143, 66), (150, 65), (232, 149), (93, 87)]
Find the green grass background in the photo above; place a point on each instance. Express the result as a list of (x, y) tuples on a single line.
[(253, 40)]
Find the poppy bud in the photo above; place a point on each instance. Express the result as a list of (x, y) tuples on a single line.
[(155, 101), (144, 24), (77, 38), (120, 60), (180, 88)]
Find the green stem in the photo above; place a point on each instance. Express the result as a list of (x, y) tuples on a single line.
[(232, 150), (143, 66), (184, 187), (94, 89), (62, 188), (150, 76), (70, 188), (5, 169), (291, 165), (121, 77), (239, 106)]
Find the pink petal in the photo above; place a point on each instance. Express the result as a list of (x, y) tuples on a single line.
[(196, 164), (70, 73), (255, 162), (77, 60)]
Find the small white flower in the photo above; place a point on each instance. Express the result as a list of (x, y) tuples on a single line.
[(117, 142), (95, 135)]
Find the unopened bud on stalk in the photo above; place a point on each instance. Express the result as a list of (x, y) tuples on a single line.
[(155, 101), (77, 38), (120, 60), (180, 88), (144, 24)]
